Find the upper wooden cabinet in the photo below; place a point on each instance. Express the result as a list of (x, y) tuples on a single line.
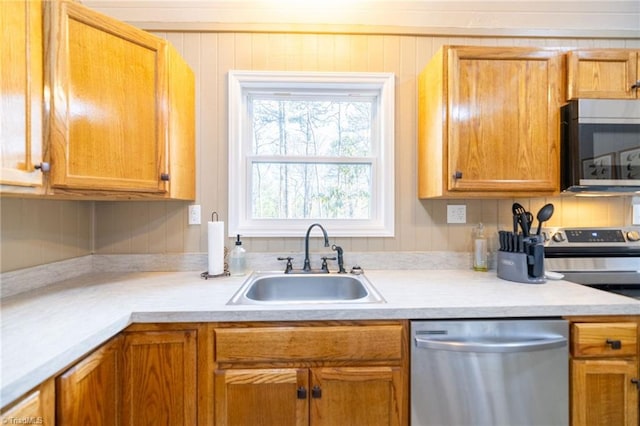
[(21, 95), (107, 109), (603, 74), (120, 106), (488, 122)]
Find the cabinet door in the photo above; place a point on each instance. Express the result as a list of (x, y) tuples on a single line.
[(20, 94), (160, 378), (602, 73), (603, 394), (269, 397), (108, 87), (357, 396), (89, 392), (503, 119), (37, 407)]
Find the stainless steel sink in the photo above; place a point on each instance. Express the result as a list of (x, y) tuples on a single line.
[(280, 288)]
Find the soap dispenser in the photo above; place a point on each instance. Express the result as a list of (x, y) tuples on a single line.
[(480, 261), (237, 259)]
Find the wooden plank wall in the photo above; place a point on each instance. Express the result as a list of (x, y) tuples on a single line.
[(420, 225)]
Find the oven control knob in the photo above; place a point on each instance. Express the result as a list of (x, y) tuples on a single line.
[(633, 236), (558, 237)]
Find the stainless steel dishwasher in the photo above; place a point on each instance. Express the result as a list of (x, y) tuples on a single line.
[(491, 373)]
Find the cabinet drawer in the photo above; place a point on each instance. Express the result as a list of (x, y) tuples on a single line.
[(335, 343), (604, 339)]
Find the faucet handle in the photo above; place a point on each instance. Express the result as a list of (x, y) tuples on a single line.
[(324, 267), (289, 266)]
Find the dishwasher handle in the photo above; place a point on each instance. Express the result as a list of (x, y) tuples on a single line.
[(495, 344)]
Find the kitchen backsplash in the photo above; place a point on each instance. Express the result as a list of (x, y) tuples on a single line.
[(37, 232)]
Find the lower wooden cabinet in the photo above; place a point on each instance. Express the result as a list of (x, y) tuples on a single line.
[(357, 396), (311, 374), (160, 378), (264, 396), (316, 396), (603, 392), (36, 407), (89, 392), (286, 373), (604, 372)]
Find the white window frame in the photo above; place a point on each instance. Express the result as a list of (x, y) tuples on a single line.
[(241, 83)]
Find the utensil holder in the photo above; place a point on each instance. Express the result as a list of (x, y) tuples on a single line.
[(514, 267)]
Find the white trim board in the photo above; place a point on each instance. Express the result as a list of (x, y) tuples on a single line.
[(508, 17)]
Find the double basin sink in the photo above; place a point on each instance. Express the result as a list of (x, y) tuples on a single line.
[(281, 288)]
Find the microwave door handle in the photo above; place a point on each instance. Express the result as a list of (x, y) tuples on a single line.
[(497, 345)]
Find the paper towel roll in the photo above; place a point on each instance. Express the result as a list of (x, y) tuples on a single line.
[(215, 239)]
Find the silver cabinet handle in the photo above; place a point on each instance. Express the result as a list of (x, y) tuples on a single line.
[(492, 345)]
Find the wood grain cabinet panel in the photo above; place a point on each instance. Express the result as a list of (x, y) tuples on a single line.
[(603, 74), (357, 396), (262, 397), (107, 118), (338, 343), (603, 393), (21, 85), (89, 392), (604, 339), (36, 407), (160, 378), (488, 122)]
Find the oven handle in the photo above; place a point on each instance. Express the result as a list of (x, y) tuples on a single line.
[(496, 344)]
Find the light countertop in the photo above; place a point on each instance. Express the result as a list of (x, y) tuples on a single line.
[(45, 330)]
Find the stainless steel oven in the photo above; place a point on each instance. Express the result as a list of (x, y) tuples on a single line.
[(600, 149), (603, 258)]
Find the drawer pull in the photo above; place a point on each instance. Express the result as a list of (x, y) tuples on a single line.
[(615, 344), (302, 392), (636, 382)]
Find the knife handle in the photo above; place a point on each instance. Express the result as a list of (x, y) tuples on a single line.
[(538, 260)]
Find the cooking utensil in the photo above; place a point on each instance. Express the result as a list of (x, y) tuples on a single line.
[(544, 214), (520, 215)]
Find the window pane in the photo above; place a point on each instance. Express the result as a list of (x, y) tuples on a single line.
[(311, 191), (312, 128)]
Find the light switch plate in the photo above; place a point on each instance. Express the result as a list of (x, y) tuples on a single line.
[(635, 220), (194, 214), (456, 213)]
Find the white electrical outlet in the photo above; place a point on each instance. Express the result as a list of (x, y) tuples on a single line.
[(194, 214), (456, 213), (635, 220)]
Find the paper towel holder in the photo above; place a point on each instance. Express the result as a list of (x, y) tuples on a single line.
[(226, 272)]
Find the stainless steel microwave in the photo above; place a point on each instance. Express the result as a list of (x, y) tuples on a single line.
[(600, 146)]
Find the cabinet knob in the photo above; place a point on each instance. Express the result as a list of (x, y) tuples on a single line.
[(164, 177), (636, 382), (316, 392), (636, 85), (302, 392), (457, 175), (43, 167), (615, 344)]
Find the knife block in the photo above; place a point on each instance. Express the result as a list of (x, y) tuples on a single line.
[(514, 267)]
